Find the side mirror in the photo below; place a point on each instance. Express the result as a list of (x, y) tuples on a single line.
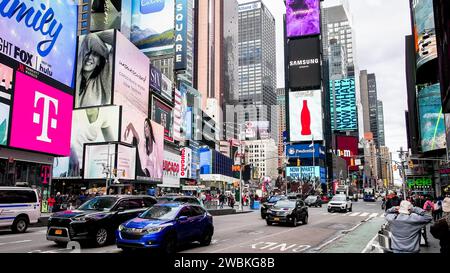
[(182, 218)]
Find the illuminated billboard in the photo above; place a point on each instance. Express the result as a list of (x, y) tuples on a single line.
[(306, 173), (424, 31), (181, 34), (302, 18), (163, 115), (305, 116), (344, 115), (6, 91), (41, 117), (171, 178), (304, 64), (151, 25), (41, 35), (99, 160), (347, 148), (432, 123)]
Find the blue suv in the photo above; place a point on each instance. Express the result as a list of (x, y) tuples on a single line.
[(165, 227)]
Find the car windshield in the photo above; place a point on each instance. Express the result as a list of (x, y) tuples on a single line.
[(166, 199), (284, 204), (339, 198), (274, 199), (311, 198), (99, 203), (160, 213)]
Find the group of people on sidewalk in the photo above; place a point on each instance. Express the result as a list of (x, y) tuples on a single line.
[(409, 219)]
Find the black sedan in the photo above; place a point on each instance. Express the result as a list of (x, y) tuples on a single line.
[(269, 203), (288, 211), (97, 219), (313, 201)]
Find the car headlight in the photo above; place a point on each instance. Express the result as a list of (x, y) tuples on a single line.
[(151, 230), (121, 227), (81, 219)]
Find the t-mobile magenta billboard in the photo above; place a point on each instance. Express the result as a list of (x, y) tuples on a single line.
[(42, 117), (302, 18)]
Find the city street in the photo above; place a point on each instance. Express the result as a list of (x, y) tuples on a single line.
[(240, 233)]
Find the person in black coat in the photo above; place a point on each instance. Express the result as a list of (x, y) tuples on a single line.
[(441, 229)]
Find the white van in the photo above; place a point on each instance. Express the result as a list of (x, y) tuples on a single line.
[(19, 207)]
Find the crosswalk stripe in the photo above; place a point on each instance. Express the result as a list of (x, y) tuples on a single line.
[(354, 214), (382, 215), (373, 215), (364, 214)]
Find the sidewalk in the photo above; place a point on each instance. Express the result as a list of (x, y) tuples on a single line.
[(364, 239)]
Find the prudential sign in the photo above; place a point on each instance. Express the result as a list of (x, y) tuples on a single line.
[(42, 35)]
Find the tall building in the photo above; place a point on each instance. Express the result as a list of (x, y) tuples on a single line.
[(257, 64), (387, 175), (381, 136), (337, 60), (281, 109), (84, 17), (262, 155), (373, 107), (216, 39)]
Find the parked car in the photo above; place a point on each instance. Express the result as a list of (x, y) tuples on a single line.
[(325, 199), (166, 226), (19, 207), (269, 203), (313, 201), (288, 211), (97, 219), (295, 196), (340, 202), (180, 199)]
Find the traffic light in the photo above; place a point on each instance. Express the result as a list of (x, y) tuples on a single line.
[(298, 163)]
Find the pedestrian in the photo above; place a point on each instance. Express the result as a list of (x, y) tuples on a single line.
[(441, 229), (222, 198), (51, 202), (405, 223), (394, 201)]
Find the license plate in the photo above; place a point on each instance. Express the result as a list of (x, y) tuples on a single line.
[(276, 219), (58, 232)]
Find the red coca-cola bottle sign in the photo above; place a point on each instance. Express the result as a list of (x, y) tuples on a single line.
[(305, 117)]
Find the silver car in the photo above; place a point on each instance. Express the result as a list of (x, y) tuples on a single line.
[(340, 202)]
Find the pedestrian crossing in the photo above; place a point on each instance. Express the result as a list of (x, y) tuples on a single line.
[(357, 214)]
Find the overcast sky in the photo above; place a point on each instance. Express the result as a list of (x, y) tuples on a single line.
[(380, 27)]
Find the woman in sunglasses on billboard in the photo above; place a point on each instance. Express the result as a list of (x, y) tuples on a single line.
[(94, 70)]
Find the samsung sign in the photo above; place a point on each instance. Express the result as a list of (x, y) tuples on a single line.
[(249, 7), (304, 64), (181, 34), (305, 151)]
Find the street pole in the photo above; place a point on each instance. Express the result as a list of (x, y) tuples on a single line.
[(314, 165), (108, 169), (402, 160)]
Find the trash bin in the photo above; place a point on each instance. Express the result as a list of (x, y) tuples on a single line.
[(256, 205)]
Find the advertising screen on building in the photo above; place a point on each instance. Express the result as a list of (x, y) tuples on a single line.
[(171, 177), (181, 34), (155, 79), (166, 88), (344, 115), (432, 123), (163, 115), (304, 64), (442, 17), (205, 161), (94, 69), (424, 31), (98, 160), (126, 162), (347, 148), (41, 35), (305, 116), (152, 26), (41, 118), (257, 130), (186, 163), (302, 18), (305, 151), (306, 173), (6, 92)]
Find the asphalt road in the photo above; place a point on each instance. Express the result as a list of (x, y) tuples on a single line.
[(240, 233)]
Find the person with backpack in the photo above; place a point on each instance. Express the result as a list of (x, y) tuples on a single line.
[(437, 213), (441, 228)]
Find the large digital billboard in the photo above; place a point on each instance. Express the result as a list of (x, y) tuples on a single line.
[(94, 69), (41, 35), (152, 26), (41, 118), (171, 177), (424, 31), (305, 151), (166, 88), (99, 161), (126, 162), (302, 18), (306, 173), (432, 124), (186, 163), (347, 148), (442, 20), (305, 116), (344, 115), (205, 161), (6, 91), (257, 130), (163, 115), (304, 64)]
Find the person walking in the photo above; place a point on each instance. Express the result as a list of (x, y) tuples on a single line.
[(441, 228), (222, 198), (51, 202), (406, 223), (438, 209), (394, 201)]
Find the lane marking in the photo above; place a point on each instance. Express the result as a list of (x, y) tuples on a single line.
[(364, 214), (355, 214), (370, 244), (15, 242), (373, 215)]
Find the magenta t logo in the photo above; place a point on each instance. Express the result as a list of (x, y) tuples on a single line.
[(45, 115)]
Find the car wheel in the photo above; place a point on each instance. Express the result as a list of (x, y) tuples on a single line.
[(305, 220), (329, 210), (20, 225), (269, 223), (170, 244), (351, 208), (294, 222), (101, 237), (206, 238)]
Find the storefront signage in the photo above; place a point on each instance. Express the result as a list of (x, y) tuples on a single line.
[(420, 182)]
